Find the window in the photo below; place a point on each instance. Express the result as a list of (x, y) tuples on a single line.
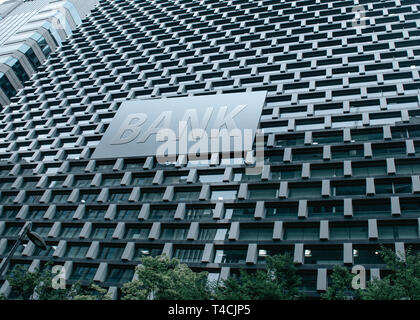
[(210, 178), (175, 179), (398, 231), (265, 251), (77, 168), (301, 233), (366, 135), (82, 182), (70, 232), (256, 234), (305, 155), (120, 275), (174, 233), (366, 170), (242, 213), (94, 214), (348, 233), (102, 232), (408, 168), (286, 173), (42, 230), (11, 230), (162, 214), (223, 195), (9, 213), (104, 166), (230, 256), (110, 253), (391, 187), (186, 195), (134, 165), (137, 233), (325, 209), (188, 255), (326, 256), (273, 158), (321, 172), (348, 189), (405, 133), (127, 214), (64, 214), (60, 197), (366, 256), (245, 177), (6, 86), (288, 141), (46, 50), (55, 182), (319, 138), (198, 213), (410, 206), (262, 193), (76, 251), (18, 69), (45, 253), (213, 234), (36, 214), (81, 272), (301, 192), (283, 210), (346, 153), (141, 252), (151, 196), (385, 150), (115, 196), (141, 180), (7, 197), (108, 182), (87, 197)]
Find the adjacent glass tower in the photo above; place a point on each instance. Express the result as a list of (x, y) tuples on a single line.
[(342, 140), (30, 30)]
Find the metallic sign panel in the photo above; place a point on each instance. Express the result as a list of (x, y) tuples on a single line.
[(137, 125)]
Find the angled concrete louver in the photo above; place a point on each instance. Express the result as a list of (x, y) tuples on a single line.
[(340, 173)]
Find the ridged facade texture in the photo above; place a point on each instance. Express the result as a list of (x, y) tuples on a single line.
[(342, 140)]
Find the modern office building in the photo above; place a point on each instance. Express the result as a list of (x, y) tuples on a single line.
[(341, 127), (29, 31)]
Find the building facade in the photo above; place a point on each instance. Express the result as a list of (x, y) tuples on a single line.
[(341, 124)]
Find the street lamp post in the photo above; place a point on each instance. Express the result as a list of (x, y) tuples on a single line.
[(33, 237)]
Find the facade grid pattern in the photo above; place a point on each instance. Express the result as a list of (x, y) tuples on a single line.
[(342, 140)]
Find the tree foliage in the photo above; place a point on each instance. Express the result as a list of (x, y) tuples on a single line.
[(279, 280), (38, 285), (401, 283), (340, 287), (162, 278)]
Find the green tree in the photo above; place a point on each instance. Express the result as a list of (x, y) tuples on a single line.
[(340, 287), (403, 281), (38, 285), (279, 281), (162, 278)]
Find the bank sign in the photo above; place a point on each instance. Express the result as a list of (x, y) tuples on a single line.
[(183, 126)]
